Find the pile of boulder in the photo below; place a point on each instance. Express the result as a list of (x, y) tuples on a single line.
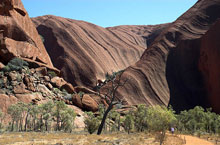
[(38, 85)]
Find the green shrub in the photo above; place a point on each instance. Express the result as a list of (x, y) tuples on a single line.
[(159, 119), (109, 77), (56, 91), (91, 122), (6, 69), (15, 64), (129, 122), (140, 118), (197, 121), (52, 74)]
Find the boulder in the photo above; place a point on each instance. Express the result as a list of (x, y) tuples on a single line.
[(29, 82), (50, 86), (47, 78), (77, 100), (13, 76), (96, 98), (58, 82), (89, 103), (84, 90), (36, 98), (20, 89), (41, 70), (69, 88), (44, 90)]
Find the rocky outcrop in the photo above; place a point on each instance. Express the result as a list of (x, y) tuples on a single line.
[(22, 83), (85, 52), (18, 35), (168, 71), (29, 85)]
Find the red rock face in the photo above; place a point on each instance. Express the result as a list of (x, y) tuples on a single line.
[(18, 35), (209, 64), (85, 52), (168, 71)]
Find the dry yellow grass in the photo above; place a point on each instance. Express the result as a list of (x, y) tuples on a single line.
[(83, 139)]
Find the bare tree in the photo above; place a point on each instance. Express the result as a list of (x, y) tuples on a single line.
[(114, 81)]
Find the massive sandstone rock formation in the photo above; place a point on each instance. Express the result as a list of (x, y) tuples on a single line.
[(179, 65), (169, 73), (85, 52), (18, 35)]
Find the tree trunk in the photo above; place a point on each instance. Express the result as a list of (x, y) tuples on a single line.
[(162, 137), (12, 126), (26, 119), (58, 121), (104, 118), (41, 123), (21, 124), (34, 125), (119, 122), (46, 125)]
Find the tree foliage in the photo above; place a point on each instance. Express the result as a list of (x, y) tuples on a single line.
[(198, 120), (129, 122), (160, 118), (28, 117), (91, 122)]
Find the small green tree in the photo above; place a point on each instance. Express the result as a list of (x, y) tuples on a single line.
[(194, 120), (34, 113), (46, 109), (23, 109), (116, 117), (159, 119), (15, 112), (140, 118), (91, 122), (60, 106), (110, 97), (129, 122), (27, 124), (67, 118)]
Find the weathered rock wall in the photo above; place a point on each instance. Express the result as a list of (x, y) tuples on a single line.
[(18, 35)]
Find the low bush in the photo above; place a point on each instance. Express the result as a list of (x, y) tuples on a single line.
[(91, 122), (52, 74), (15, 64)]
